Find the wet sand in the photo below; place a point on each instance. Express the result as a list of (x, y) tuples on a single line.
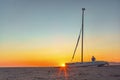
[(52, 73)]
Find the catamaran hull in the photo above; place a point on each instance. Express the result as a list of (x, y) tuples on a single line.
[(86, 64)]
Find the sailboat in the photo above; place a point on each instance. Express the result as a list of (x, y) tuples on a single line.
[(82, 63)]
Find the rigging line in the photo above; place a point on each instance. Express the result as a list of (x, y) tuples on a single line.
[(76, 45)]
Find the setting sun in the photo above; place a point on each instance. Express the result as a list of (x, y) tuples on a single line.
[(62, 65)]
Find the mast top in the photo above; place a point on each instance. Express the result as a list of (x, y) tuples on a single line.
[(83, 8)]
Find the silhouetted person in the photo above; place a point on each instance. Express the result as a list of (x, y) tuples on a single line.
[(93, 59)]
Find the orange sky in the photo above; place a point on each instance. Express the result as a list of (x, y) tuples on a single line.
[(55, 54)]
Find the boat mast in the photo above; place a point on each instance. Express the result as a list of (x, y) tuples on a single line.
[(82, 34)]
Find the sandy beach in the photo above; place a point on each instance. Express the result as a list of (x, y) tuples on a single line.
[(52, 73)]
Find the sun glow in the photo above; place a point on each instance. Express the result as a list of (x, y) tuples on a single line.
[(63, 65)]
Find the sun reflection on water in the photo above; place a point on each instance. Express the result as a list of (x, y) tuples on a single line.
[(63, 72)]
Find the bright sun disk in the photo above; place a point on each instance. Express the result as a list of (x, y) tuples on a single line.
[(63, 65)]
